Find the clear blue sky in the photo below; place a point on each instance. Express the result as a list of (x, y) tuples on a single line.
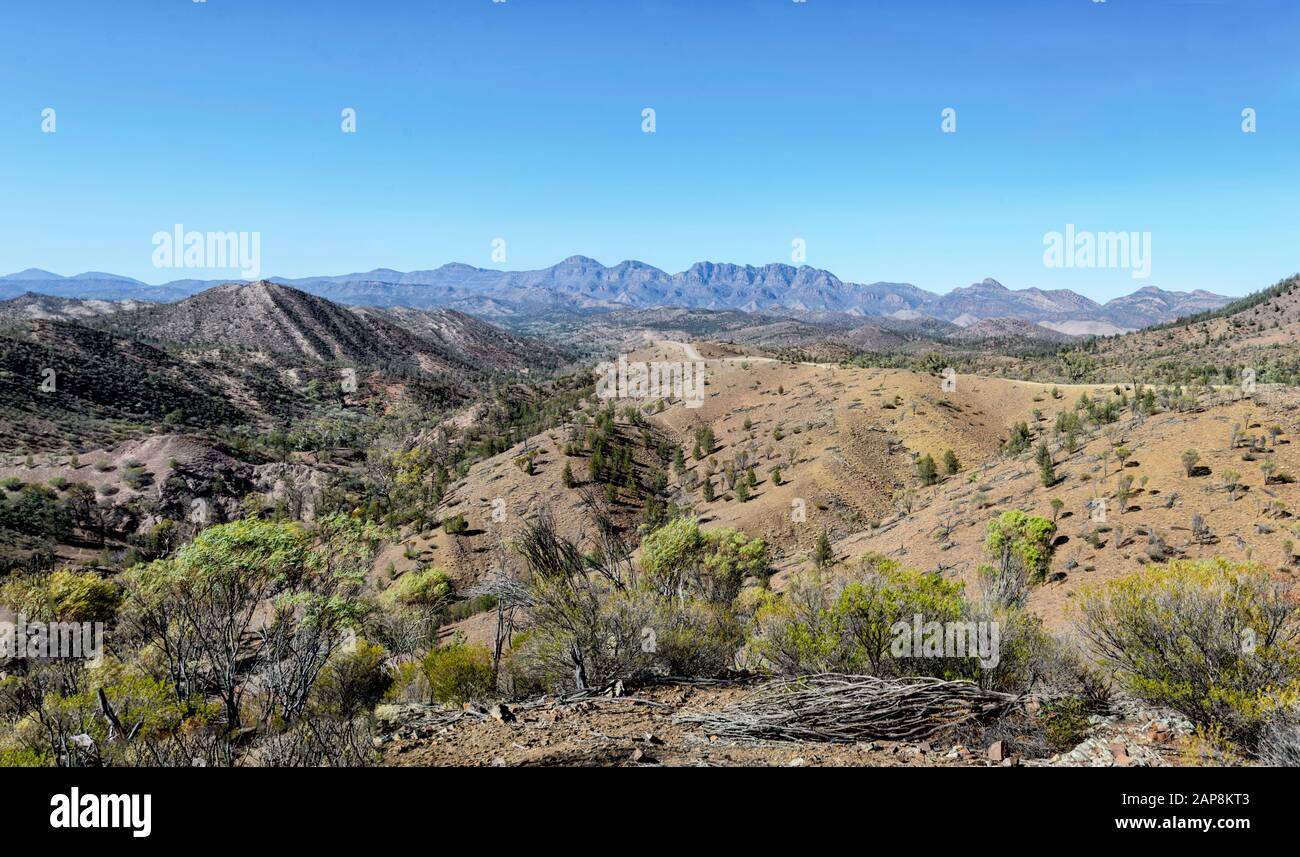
[(775, 120)]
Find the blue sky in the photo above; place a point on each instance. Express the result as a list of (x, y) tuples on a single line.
[(775, 120)]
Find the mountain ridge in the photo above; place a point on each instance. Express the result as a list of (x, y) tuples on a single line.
[(580, 283)]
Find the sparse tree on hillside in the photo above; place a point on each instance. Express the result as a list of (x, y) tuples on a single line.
[(1022, 547), (1232, 482), (1046, 468), (1189, 458), (824, 554), (926, 470), (1124, 492)]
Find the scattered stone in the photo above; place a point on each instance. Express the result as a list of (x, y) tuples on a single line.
[(1157, 733), (997, 751), (502, 713), (640, 757)]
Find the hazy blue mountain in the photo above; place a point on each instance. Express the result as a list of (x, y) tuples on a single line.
[(579, 283)]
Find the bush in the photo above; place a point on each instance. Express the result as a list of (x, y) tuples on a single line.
[(429, 587), (409, 683), (459, 673), (593, 618), (695, 638), (1065, 722), (1279, 743), (857, 625), (352, 681), (137, 477), (63, 595), (1212, 640), (711, 564)]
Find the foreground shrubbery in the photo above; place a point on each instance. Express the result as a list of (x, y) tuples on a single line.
[(1212, 640), (863, 621), (596, 617), (256, 643), (239, 647)]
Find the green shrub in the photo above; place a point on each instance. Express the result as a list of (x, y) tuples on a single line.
[(459, 673), (858, 625), (429, 587), (1212, 640), (926, 470), (353, 680), (1065, 722), (408, 683), (1022, 546), (711, 564), (695, 638), (137, 477), (471, 607), (67, 596)]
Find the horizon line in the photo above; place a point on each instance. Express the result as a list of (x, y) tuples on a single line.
[(579, 256)]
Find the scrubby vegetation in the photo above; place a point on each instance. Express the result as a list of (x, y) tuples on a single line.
[(1215, 641)]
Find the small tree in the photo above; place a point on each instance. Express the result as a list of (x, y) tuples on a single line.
[(1046, 469), (704, 442), (926, 470), (567, 476), (950, 463), (1022, 545), (824, 554), (1232, 482), (1123, 493), (1190, 458)]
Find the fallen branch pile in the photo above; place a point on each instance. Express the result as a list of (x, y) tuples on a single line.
[(849, 708)]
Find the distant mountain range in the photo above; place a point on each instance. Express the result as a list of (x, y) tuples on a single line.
[(583, 284)]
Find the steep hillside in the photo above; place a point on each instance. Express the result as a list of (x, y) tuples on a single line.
[(485, 345), (60, 381), (1258, 332), (30, 305), (838, 441), (275, 319)]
